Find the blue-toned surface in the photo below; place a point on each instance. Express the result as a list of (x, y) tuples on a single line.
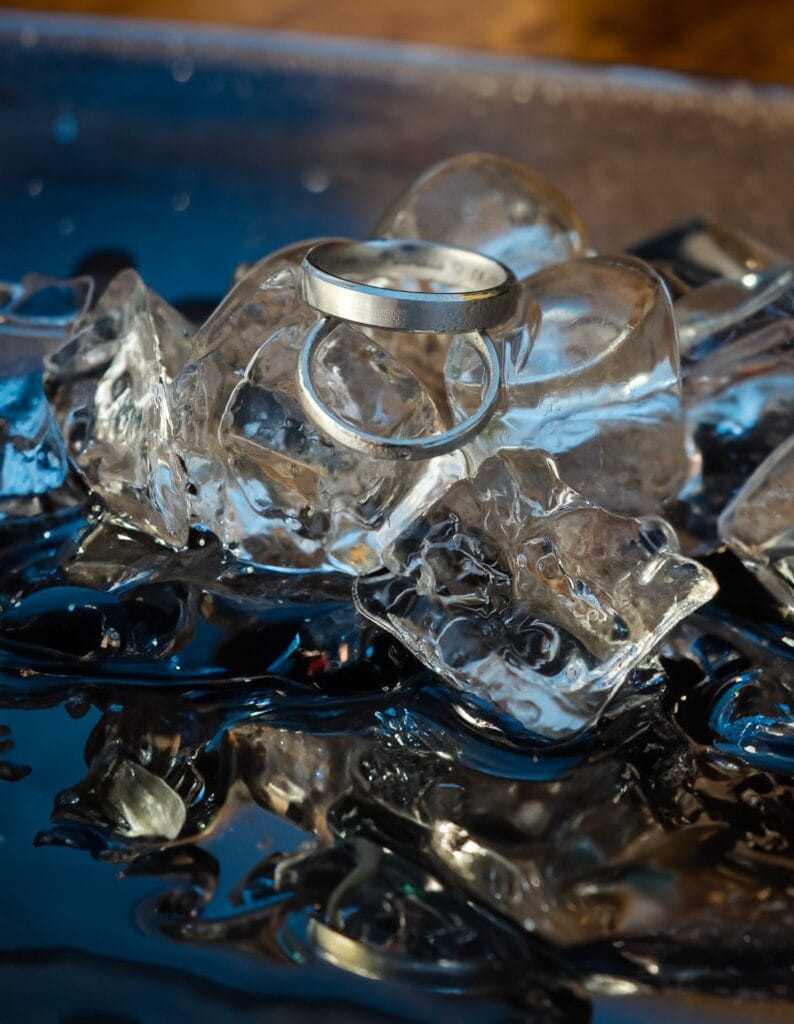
[(192, 152)]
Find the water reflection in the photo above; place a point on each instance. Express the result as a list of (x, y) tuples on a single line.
[(426, 845)]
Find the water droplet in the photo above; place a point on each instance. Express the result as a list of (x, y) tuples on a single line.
[(180, 201), (35, 187), (66, 226), (28, 38), (315, 180), (182, 69), (65, 128), (485, 87), (522, 90)]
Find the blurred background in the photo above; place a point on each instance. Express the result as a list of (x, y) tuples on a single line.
[(751, 39)]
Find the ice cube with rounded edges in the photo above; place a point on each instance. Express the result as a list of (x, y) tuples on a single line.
[(725, 302), (758, 525), (702, 250), (720, 277), (593, 379), (519, 590), (484, 202)]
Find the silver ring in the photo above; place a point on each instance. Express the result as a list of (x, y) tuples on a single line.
[(374, 445), (336, 279)]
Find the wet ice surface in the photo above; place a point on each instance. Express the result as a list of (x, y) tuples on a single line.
[(211, 768), (484, 202), (735, 311), (36, 317), (759, 523), (521, 591), (173, 430), (594, 381)]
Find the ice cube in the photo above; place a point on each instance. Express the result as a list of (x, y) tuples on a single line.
[(594, 381), (35, 317), (739, 399), (37, 313), (758, 525), (735, 312), (516, 588), (110, 385), (484, 202), (703, 250), (265, 479), (725, 302), (32, 455), (145, 805)]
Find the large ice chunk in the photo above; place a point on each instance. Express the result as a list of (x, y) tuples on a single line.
[(759, 523), (595, 382), (264, 478), (262, 301), (519, 590), (498, 207)]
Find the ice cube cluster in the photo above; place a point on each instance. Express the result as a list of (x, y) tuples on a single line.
[(539, 566), (532, 700)]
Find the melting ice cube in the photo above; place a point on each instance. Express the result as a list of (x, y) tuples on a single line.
[(110, 386), (479, 201), (597, 385), (759, 523), (518, 589)]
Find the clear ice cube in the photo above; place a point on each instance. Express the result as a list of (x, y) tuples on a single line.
[(38, 311), (704, 250), (35, 317), (593, 380), (32, 455), (725, 302), (519, 590), (110, 385), (758, 525), (739, 398), (484, 202), (145, 804), (265, 479)]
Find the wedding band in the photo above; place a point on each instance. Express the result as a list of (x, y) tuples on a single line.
[(339, 279), (374, 445)]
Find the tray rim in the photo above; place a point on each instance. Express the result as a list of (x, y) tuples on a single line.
[(147, 39)]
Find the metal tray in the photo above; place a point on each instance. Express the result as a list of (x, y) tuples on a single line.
[(191, 150)]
